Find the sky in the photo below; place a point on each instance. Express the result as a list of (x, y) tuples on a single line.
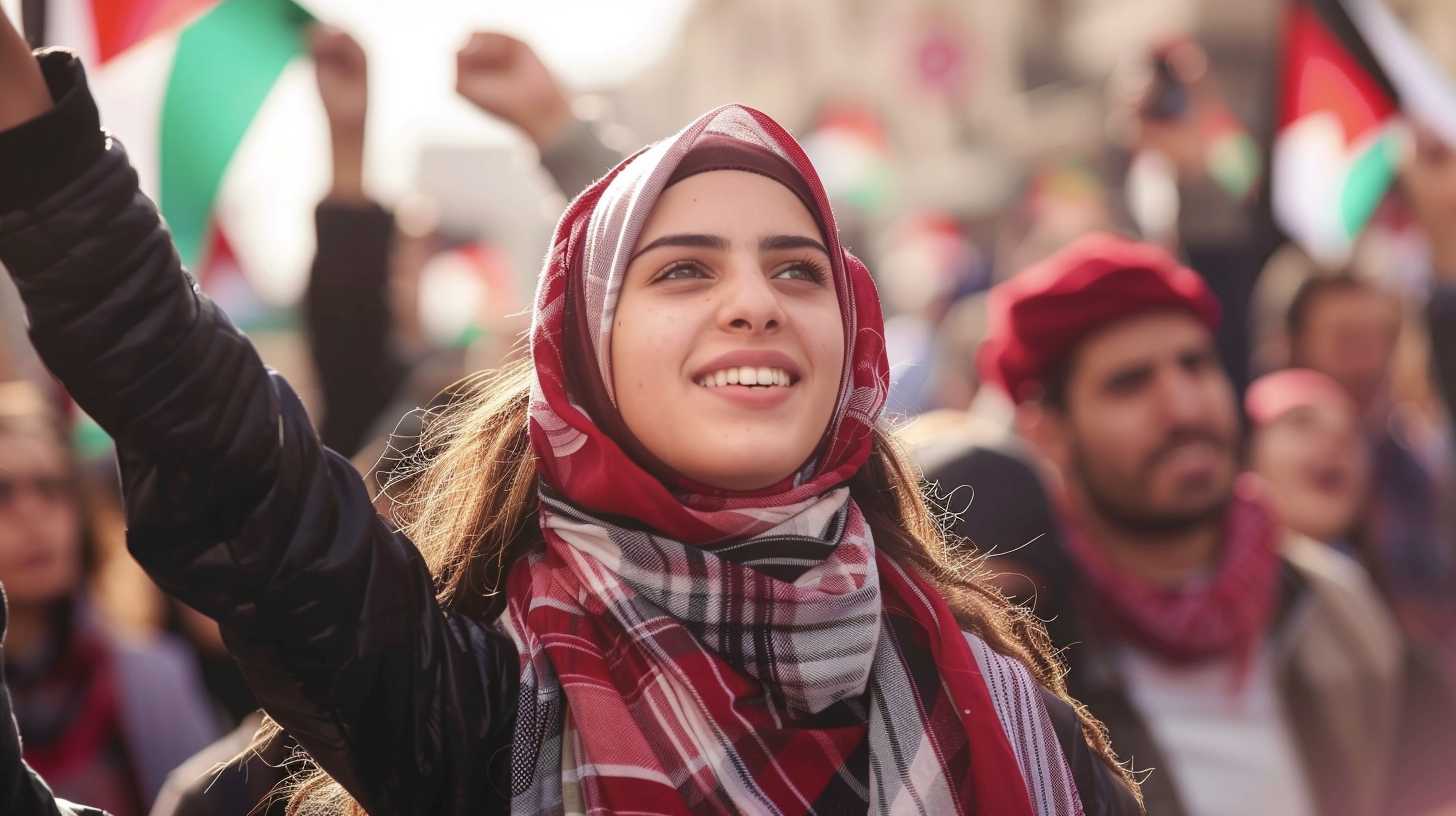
[(281, 169)]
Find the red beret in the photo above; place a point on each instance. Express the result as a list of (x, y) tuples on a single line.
[(1039, 316)]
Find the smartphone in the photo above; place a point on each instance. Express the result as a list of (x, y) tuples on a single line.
[(1168, 97)]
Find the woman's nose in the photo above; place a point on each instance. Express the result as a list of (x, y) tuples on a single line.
[(750, 303)]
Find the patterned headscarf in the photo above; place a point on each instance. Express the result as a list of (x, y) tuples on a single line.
[(582, 455)]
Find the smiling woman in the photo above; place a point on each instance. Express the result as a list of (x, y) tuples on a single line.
[(671, 565)]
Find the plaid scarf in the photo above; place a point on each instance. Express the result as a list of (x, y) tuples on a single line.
[(660, 678), (721, 652), (1224, 614)]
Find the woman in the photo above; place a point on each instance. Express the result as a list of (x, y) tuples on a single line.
[(21, 791), (670, 567), (1307, 446), (104, 717)]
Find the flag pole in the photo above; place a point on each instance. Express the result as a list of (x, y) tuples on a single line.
[(33, 21)]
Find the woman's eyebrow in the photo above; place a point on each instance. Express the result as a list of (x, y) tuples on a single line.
[(685, 239), (781, 242)]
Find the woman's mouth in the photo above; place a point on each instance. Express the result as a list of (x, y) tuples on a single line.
[(1329, 480)]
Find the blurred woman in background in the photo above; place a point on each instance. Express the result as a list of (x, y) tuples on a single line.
[(103, 717), (1307, 445)]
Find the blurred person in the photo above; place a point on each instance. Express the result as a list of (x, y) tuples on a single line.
[(360, 305), (1172, 110), (929, 263), (347, 308), (1252, 671), (22, 791), (1420, 575), (1347, 328), (104, 717), (572, 498), (1307, 446)]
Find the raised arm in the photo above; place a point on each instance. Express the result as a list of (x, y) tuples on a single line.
[(504, 77), (232, 504), (346, 308)]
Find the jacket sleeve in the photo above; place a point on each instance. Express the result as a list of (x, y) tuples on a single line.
[(577, 158), (232, 504), (350, 321)]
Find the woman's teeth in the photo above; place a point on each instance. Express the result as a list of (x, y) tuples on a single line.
[(746, 375)]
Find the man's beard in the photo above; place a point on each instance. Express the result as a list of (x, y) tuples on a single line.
[(1138, 519)]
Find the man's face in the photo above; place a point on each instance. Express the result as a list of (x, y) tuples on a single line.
[(1350, 335), (1149, 430)]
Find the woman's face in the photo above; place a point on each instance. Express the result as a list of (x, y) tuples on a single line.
[(728, 343), (1315, 463), (40, 524)]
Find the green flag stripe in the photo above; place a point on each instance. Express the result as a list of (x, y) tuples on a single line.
[(1369, 177), (226, 63)]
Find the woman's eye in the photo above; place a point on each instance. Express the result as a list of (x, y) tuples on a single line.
[(683, 271), (802, 271)]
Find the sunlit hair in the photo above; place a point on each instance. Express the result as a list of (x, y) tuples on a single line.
[(467, 498)]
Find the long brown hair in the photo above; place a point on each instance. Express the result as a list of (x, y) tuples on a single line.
[(467, 498)]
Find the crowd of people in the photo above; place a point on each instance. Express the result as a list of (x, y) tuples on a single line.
[(1210, 476)]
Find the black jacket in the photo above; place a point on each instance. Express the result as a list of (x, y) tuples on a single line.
[(235, 507)]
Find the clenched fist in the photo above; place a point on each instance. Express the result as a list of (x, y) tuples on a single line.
[(342, 71), (503, 77)]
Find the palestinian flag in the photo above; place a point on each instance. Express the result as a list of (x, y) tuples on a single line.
[(179, 82), (849, 148), (1350, 74)]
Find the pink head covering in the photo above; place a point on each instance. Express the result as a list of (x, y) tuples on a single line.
[(1038, 317), (1274, 395)]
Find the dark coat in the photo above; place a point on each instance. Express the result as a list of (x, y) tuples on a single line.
[(235, 507)]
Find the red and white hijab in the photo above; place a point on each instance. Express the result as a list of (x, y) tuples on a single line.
[(705, 651)]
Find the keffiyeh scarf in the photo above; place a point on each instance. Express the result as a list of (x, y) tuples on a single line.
[(1223, 614), (688, 650)]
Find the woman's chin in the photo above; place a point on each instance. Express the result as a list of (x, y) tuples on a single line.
[(738, 468)]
